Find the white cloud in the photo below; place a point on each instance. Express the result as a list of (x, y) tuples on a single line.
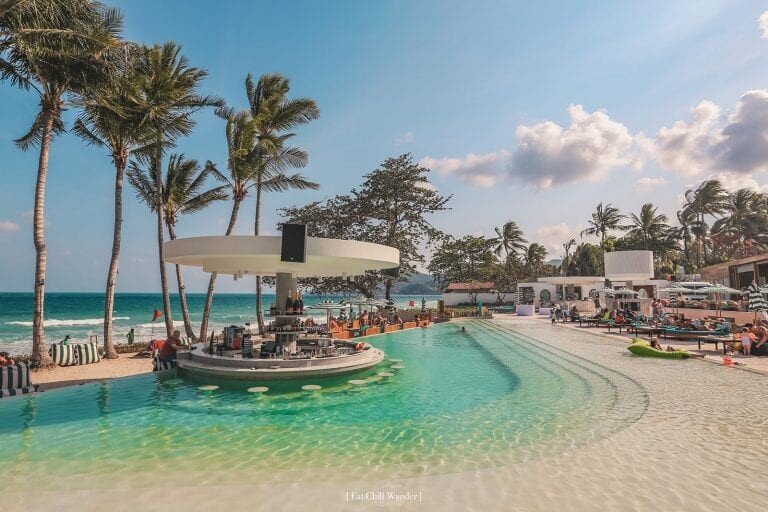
[(554, 236), (685, 146), (7, 226), (479, 170), (706, 144), (762, 22), (406, 138), (647, 184), (734, 182), (593, 145)]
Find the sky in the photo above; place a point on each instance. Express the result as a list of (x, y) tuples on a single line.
[(524, 111)]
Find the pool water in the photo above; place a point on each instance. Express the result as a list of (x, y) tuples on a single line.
[(461, 401)]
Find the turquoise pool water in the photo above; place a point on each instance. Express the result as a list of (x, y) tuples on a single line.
[(479, 399)]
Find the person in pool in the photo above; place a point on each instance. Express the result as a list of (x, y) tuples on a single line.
[(463, 329), (172, 344)]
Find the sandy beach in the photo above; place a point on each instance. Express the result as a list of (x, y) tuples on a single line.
[(124, 366)]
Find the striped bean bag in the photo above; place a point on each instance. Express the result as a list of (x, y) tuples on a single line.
[(88, 353), (14, 380), (158, 365), (63, 355)]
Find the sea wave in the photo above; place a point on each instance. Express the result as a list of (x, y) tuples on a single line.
[(52, 322)]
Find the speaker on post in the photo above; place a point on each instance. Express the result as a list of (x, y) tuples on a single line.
[(294, 243), (394, 273)]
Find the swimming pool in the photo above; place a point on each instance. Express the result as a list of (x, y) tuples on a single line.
[(506, 409), (461, 401)]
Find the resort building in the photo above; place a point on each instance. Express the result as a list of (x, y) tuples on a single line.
[(475, 292), (738, 273)]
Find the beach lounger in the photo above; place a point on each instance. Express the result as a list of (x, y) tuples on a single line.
[(63, 355), (14, 380), (87, 353)]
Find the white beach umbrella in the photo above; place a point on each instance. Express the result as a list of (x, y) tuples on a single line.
[(328, 306)]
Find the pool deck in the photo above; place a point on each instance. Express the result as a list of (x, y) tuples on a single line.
[(711, 355)]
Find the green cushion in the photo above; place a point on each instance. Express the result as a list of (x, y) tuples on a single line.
[(646, 350)]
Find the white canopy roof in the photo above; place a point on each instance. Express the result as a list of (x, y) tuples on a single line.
[(571, 280), (260, 255)]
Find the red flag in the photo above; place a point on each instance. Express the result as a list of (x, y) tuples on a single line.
[(157, 314), (411, 303)]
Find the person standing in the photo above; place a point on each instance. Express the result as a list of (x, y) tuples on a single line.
[(131, 336)]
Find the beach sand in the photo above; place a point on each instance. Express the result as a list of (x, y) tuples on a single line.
[(124, 366)]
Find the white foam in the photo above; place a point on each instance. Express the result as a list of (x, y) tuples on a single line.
[(52, 322)]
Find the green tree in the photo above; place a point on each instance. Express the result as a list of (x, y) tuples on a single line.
[(397, 201), (168, 91), (534, 260), (587, 260), (111, 118), (604, 220), (182, 192), (649, 226), (275, 115), (52, 48), (708, 199), (468, 259), (745, 223)]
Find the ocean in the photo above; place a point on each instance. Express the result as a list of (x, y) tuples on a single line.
[(81, 315)]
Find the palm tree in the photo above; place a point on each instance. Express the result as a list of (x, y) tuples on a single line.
[(604, 219), (111, 118), (567, 257), (168, 88), (53, 48), (181, 193), (709, 198), (648, 226), (534, 259), (509, 239), (241, 140), (274, 116), (745, 222), (684, 232)]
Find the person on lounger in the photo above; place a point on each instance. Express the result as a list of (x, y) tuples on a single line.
[(761, 335)]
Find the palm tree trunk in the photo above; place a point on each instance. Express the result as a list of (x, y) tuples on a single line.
[(40, 357), (257, 221), (182, 293), (109, 295), (212, 279), (160, 253)]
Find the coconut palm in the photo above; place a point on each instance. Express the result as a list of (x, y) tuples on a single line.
[(181, 193), (708, 199), (684, 232), (648, 226), (604, 219), (111, 118), (241, 140), (534, 259), (745, 222), (274, 115), (567, 246), (509, 239), (53, 48), (169, 93)]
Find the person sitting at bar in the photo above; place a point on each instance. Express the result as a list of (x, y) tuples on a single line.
[(397, 320), (172, 344)]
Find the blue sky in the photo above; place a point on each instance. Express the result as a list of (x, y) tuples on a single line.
[(531, 111)]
